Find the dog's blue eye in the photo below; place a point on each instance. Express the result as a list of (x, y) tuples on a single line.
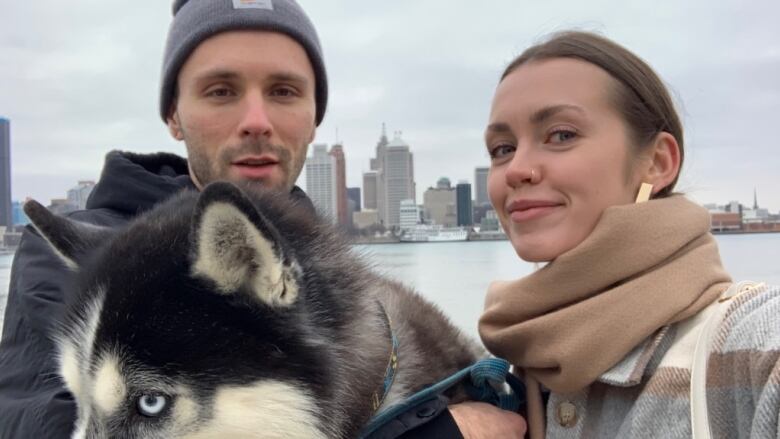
[(152, 405)]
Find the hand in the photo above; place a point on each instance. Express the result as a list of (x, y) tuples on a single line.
[(478, 420)]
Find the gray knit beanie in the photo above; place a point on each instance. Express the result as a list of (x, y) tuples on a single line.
[(196, 20)]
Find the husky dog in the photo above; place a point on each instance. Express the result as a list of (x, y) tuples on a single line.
[(217, 315)]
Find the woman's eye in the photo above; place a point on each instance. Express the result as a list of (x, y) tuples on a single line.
[(152, 405), (561, 136), (501, 151)]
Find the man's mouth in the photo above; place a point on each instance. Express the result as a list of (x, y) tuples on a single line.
[(255, 167)]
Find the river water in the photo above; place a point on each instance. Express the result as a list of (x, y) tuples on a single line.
[(455, 275)]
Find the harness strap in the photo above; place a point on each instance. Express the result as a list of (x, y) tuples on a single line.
[(392, 365), (487, 380)]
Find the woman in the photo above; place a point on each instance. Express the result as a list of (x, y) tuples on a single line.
[(578, 124)]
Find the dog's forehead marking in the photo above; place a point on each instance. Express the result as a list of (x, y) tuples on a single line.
[(109, 390), (267, 409)]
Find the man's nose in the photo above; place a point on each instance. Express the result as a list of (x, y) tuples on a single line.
[(255, 121)]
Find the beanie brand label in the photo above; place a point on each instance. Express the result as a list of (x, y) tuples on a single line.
[(253, 4)]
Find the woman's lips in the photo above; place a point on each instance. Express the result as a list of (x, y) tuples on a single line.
[(527, 210)]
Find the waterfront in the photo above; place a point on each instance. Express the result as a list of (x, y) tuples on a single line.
[(455, 275)]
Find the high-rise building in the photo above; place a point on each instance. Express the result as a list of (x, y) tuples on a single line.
[(77, 196), (439, 204), (321, 181), (465, 217), (369, 190), (365, 218), (61, 206), (6, 210), (396, 180), (376, 162), (337, 152), (353, 193), (480, 186), (19, 217), (390, 180), (409, 214)]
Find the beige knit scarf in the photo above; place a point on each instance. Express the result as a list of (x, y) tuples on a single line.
[(643, 267)]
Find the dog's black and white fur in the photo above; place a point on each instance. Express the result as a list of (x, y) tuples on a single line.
[(218, 315)]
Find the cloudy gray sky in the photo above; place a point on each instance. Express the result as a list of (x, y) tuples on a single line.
[(80, 78)]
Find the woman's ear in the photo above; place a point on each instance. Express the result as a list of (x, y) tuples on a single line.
[(664, 162)]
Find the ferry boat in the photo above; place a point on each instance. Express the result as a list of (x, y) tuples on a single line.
[(434, 233)]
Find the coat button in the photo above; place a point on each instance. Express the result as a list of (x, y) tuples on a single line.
[(567, 414)]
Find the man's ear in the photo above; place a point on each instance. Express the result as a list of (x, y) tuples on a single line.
[(663, 164), (174, 124)]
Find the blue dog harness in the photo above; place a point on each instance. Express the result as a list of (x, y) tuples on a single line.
[(392, 366), (487, 380)]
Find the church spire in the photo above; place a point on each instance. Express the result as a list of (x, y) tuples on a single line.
[(755, 199)]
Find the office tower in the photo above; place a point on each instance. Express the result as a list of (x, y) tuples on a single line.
[(77, 196), (409, 214), (369, 190), (321, 181), (480, 186), (464, 204), (6, 210), (337, 152), (396, 180), (376, 162), (19, 217), (353, 193), (439, 204)]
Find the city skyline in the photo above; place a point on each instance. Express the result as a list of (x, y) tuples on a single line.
[(85, 81)]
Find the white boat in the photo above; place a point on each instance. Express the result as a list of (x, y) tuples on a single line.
[(434, 233)]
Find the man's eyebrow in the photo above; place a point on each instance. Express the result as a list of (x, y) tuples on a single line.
[(288, 77), (545, 113), (230, 74), (216, 74)]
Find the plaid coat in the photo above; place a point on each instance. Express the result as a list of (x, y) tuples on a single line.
[(647, 394)]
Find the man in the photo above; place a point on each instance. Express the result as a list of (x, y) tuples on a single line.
[(244, 86)]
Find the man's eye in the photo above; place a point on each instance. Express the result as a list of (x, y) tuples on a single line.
[(284, 92), (221, 92)]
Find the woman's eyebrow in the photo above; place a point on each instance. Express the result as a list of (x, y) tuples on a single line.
[(545, 113), (498, 127)]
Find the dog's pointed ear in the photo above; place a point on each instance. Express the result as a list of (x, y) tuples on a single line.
[(71, 240), (239, 249)]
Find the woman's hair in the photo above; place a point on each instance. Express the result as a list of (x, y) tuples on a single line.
[(640, 95)]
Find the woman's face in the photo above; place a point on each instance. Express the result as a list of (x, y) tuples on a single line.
[(560, 155)]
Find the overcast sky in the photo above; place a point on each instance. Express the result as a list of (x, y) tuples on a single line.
[(79, 78)]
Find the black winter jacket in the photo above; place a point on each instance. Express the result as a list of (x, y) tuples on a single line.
[(33, 400)]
